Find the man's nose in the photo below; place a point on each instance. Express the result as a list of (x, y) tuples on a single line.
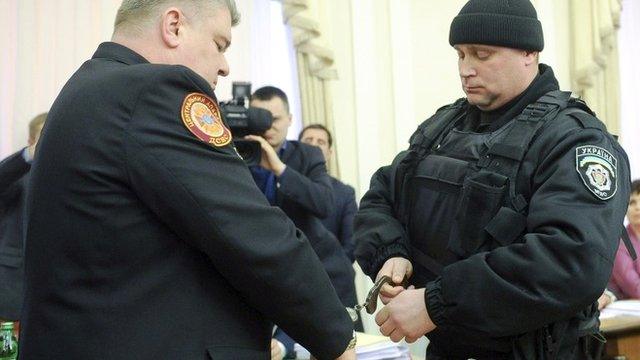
[(466, 69), (224, 69)]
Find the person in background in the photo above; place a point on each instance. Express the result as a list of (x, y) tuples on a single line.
[(147, 237), (293, 176), (14, 174), (625, 278), (340, 220)]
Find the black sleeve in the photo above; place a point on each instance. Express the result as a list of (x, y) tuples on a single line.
[(378, 234), (206, 195), (347, 213), (12, 169), (311, 190), (560, 266)]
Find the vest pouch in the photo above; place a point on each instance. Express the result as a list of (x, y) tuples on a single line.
[(432, 201), (506, 226), (482, 195)]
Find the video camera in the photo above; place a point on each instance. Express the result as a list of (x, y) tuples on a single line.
[(244, 120)]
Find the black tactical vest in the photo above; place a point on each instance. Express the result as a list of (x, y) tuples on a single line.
[(455, 192)]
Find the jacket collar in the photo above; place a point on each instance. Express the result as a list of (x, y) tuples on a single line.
[(291, 145), (120, 53)]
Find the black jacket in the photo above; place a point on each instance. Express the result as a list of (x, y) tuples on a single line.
[(554, 271), (305, 194), (13, 179), (340, 220), (145, 242)]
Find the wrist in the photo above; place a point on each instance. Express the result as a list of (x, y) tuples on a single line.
[(352, 342), (283, 349), (279, 169), (611, 295), (27, 154)]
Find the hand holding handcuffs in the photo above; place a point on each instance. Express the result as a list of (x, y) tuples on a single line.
[(371, 302)]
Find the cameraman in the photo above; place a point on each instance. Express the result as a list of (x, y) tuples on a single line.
[(293, 176)]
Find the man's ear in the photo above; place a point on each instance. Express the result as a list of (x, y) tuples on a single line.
[(531, 57), (170, 26)]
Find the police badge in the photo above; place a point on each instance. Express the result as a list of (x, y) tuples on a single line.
[(598, 170)]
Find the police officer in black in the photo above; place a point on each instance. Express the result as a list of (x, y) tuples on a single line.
[(147, 238), (505, 211)]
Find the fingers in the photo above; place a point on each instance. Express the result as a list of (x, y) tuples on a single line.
[(399, 271), (385, 299), (388, 292), (401, 268), (386, 269), (263, 143), (396, 268), (276, 353), (382, 316), (410, 339), (396, 335)]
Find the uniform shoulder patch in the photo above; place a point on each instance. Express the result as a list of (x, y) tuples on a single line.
[(598, 170), (201, 115)]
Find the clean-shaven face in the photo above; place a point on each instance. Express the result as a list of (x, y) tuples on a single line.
[(491, 76)]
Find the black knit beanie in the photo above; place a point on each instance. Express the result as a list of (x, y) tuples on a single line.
[(508, 23)]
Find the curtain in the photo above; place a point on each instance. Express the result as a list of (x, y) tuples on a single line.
[(315, 65), (45, 42), (595, 70)]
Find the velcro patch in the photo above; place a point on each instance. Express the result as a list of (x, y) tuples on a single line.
[(598, 170), (201, 115)]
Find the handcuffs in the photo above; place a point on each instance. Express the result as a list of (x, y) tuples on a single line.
[(371, 301)]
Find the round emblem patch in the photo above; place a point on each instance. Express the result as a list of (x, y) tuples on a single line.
[(598, 170), (201, 115)]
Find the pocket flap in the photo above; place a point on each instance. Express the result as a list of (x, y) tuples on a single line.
[(445, 169), (506, 226), (234, 352), (10, 259)]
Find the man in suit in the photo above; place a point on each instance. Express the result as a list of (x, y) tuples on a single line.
[(293, 176), (339, 221), (14, 172), (147, 238)]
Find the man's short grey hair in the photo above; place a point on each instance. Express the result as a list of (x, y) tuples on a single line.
[(134, 13)]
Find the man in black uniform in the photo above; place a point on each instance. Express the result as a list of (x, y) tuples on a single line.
[(293, 176), (506, 210), (14, 174), (146, 235)]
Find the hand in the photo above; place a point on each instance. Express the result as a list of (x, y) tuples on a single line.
[(270, 159), (405, 317), (32, 150), (348, 355), (276, 351), (603, 301), (396, 268)]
